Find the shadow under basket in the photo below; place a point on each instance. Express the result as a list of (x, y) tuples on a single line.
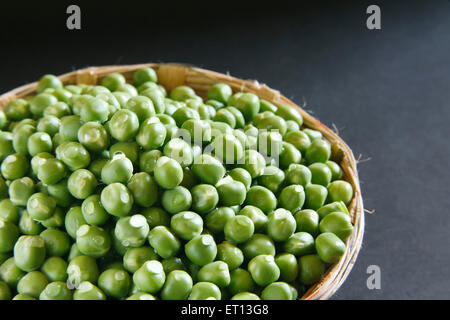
[(173, 75)]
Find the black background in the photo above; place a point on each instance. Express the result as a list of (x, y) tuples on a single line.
[(387, 91)]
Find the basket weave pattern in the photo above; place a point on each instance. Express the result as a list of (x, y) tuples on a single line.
[(173, 75)]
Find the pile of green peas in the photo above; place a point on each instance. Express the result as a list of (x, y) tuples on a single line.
[(126, 191)]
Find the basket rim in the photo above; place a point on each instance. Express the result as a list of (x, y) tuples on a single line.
[(173, 74)]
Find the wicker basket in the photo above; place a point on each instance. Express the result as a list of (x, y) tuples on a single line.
[(173, 75)]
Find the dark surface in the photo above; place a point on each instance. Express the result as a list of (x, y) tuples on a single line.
[(387, 91)]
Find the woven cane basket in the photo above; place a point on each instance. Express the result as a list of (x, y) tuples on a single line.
[(173, 75)]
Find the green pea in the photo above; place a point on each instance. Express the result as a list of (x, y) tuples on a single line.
[(201, 250), (157, 96), (29, 252), (231, 192), (226, 116), (6, 146), (82, 268), (245, 296), (182, 93), (113, 81), (132, 231), (338, 206), (39, 142), (205, 291), (9, 233), (172, 264), (5, 292), (150, 277), (239, 229), (248, 104), (165, 243), (277, 291), (117, 199), (298, 139), (15, 166), (10, 272), (118, 169), (93, 212), (318, 151), (321, 174), (307, 221), (93, 136), (129, 148), (220, 92), (74, 219), (8, 211), (51, 171), (56, 291), (168, 173), (156, 217), (46, 125), (288, 265), (134, 258), (114, 283), (178, 286), (292, 197), (55, 269), (263, 269), (29, 226), (230, 254), (74, 155), (256, 215), (257, 245), (215, 272), (55, 221), (204, 198), (32, 284), (281, 225), (151, 134), (141, 296), (148, 159), (124, 125), (315, 196), (241, 175), (57, 242), (289, 113), (144, 189), (340, 190), (311, 269), (74, 252), (298, 174), (262, 198), (40, 102), (176, 200), (18, 109), (69, 127), (216, 219), (336, 171), (208, 169), (270, 143), (289, 155), (299, 244), (273, 178), (179, 150), (82, 183), (93, 241), (3, 188), (58, 110), (19, 192), (41, 206), (48, 81), (88, 291), (338, 223), (143, 75)]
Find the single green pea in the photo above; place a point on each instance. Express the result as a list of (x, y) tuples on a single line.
[(6, 144), (298, 139), (58, 110), (289, 155), (87, 291), (95, 109), (143, 75), (176, 200), (156, 217), (289, 113), (51, 171), (182, 93), (82, 183), (10, 272), (93, 136), (197, 131), (277, 291), (148, 159), (142, 106), (204, 198), (241, 175), (93, 241), (74, 219), (118, 169), (247, 103), (57, 242), (15, 166), (21, 135), (262, 198), (29, 252), (32, 284), (307, 221), (216, 219), (179, 150), (226, 116), (93, 212), (55, 269), (55, 221), (129, 148), (298, 174), (272, 123), (263, 269), (29, 226), (299, 244), (165, 243), (19, 192), (5, 291), (288, 265), (321, 174), (38, 160), (117, 199), (69, 126), (18, 109), (270, 143), (230, 254), (281, 224), (254, 163), (273, 178), (40, 206), (9, 233), (256, 215), (48, 125), (208, 169), (115, 283), (82, 268), (205, 291), (134, 258), (311, 269), (113, 81), (240, 281), (245, 296), (39, 142), (172, 264), (231, 192), (338, 223), (157, 96), (201, 250), (292, 197), (178, 286), (40, 102), (318, 151), (74, 155), (9, 211), (220, 92), (168, 173), (150, 277), (132, 231), (151, 134), (124, 125), (56, 291), (315, 196), (257, 245), (336, 171), (144, 189), (215, 272), (48, 81), (337, 206), (313, 134), (340, 190), (239, 229)]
